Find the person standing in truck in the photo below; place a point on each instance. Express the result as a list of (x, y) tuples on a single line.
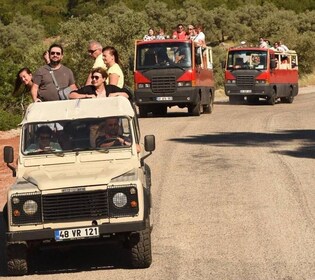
[(95, 52), (115, 74), (44, 87), (180, 32)]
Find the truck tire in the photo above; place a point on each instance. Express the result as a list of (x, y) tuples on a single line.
[(194, 110), (208, 108), (140, 248), (289, 99), (17, 259), (271, 100)]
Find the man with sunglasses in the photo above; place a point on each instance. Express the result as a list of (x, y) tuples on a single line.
[(44, 87), (95, 52), (180, 32)]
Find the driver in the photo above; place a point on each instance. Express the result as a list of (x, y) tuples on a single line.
[(110, 135), (44, 141)]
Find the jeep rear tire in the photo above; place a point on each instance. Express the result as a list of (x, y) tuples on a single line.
[(140, 248)]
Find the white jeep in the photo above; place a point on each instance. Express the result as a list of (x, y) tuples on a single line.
[(77, 180)]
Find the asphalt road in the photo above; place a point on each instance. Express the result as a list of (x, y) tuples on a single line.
[(233, 196)]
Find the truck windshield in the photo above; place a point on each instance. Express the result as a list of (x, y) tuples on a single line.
[(161, 55), (247, 59), (76, 135)]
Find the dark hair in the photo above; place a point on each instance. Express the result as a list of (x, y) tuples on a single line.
[(113, 52), (44, 129), (56, 46), (100, 70), (18, 81)]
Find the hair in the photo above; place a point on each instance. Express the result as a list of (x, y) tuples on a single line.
[(18, 81), (44, 129), (113, 52), (100, 70), (97, 44), (180, 24), (56, 46)]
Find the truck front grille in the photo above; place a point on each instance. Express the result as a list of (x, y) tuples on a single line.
[(163, 84), (245, 81), (75, 206)]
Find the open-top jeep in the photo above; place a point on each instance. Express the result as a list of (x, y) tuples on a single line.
[(81, 176)]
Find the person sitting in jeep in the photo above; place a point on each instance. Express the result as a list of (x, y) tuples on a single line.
[(110, 135), (43, 141)]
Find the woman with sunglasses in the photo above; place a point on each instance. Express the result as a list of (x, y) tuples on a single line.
[(98, 88)]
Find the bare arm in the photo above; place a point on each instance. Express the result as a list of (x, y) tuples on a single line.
[(75, 95), (34, 92), (113, 79), (118, 94), (89, 79)]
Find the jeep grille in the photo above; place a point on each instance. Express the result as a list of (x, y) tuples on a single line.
[(75, 206)]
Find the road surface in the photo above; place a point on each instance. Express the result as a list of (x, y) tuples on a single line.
[(233, 198)]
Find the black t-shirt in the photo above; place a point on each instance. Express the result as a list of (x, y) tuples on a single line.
[(90, 90)]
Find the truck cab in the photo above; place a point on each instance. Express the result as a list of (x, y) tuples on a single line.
[(170, 73)]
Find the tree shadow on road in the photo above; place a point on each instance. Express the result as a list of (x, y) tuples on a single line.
[(259, 139)]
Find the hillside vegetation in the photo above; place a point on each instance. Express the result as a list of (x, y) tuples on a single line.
[(25, 26)]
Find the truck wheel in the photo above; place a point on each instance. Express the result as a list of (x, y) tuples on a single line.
[(143, 111), (17, 259), (195, 109), (140, 248), (271, 100), (208, 108), (289, 99)]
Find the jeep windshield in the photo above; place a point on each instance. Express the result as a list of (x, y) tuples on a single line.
[(163, 55), (76, 135), (247, 59)]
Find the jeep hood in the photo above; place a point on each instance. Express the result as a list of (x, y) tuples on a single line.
[(57, 177)]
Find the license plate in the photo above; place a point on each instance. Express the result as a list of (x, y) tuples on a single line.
[(76, 233), (245, 91), (164, 98)]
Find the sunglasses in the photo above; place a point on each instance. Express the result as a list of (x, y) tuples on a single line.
[(96, 77), (91, 51), (55, 53), (191, 28)]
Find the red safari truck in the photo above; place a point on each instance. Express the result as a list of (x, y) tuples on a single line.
[(261, 73), (170, 73)]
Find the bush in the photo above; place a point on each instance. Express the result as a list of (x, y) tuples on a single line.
[(9, 121)]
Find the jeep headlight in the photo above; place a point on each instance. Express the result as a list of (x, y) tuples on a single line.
[(123, 200), (119, 199), (30, 207), (26, 208)]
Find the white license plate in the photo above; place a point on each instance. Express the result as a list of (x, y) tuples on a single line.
[(76, 233), (164, 98), (245, 91)]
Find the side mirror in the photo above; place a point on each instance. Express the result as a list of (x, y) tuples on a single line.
[(149, 146), (8, 156), (273, 64), (149, 143)]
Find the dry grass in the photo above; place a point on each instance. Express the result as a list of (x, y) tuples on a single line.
[(307, 80)]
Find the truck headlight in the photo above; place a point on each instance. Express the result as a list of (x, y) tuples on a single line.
[(30, 207), (184, 84), (143, 85)]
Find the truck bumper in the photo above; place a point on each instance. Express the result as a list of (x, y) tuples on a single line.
[(184, 95), (256, 90)]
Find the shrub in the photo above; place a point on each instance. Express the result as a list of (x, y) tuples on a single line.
[(8, 120)]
